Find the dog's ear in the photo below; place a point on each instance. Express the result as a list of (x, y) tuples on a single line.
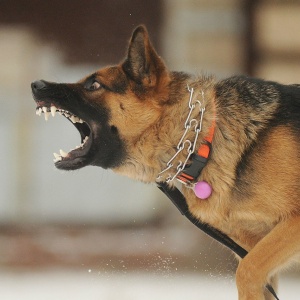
[(143, 65)]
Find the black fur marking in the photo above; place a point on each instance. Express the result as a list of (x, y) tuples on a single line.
[(110, 148), (287, 114), (242, 186), (252, 92), (114, 129)]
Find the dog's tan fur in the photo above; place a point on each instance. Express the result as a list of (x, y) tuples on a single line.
[(254, 165)]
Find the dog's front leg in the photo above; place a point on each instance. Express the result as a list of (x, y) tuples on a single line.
[(270, 254)]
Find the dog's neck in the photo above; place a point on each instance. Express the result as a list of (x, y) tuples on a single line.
[(158, 144), (163, 137), (188, 170)]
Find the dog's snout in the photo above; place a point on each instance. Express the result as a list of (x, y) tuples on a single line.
[(38, 85)]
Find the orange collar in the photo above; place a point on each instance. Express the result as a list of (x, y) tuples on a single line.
[(204, 149)]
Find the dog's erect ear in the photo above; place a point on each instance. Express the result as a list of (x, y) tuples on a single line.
[(142, 64)]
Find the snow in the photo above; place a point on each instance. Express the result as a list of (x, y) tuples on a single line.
[(94, 285)]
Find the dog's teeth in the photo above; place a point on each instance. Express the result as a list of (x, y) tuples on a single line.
[(73, 119), (85, 140), (57, 159), (45, 110), (56, 155), (38, 112), (53, 110), (63, 153), (46, 113)]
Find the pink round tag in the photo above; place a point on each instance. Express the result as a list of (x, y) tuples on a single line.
[(202, 190)]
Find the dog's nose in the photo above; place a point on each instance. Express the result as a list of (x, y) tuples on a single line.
[(38, 85)]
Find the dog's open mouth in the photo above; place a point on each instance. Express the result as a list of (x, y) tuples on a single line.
[(100, 143), (65, 160)]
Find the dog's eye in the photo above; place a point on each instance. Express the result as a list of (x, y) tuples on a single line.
[(95, 86), (91, 84)]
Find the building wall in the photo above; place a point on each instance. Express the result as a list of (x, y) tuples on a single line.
[(203, 36), (276, 40)]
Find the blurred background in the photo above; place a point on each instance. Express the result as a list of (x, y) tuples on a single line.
[(91, 234)]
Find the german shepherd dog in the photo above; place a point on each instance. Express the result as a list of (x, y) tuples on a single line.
[(143, 121)]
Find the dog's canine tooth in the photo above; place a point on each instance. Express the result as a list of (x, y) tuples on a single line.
[(45, 110), (46, 113), (56, 155), (85, 139), (38, 112), (63, 153), (53, 110)]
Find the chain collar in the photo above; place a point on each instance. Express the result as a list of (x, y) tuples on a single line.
[(190, 124)]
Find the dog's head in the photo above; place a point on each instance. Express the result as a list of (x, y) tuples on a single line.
[(111, 108)]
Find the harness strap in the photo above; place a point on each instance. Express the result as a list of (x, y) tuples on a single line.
[(180, 202)]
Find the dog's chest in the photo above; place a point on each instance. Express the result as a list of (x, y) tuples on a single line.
[(244, 226)]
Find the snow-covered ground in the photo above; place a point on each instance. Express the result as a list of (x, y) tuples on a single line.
[(92, 285)]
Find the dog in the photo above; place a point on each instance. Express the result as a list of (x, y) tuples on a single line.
[(151, 124)]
